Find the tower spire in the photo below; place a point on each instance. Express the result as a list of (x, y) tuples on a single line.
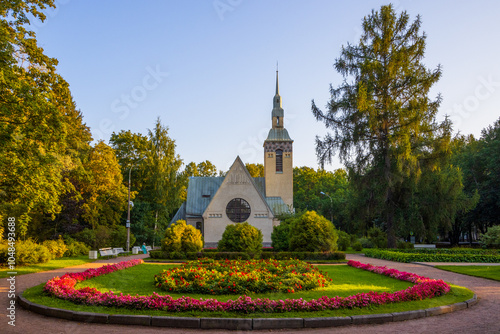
[(277, 81)]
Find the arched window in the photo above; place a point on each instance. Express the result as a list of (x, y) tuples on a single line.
[(279, 160), (238, 210)]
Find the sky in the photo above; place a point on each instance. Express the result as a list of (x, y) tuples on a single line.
[(207, 67)]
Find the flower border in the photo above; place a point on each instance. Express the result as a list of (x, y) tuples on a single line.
[(64, 288)]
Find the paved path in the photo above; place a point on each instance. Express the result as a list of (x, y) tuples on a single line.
[(482, 318)]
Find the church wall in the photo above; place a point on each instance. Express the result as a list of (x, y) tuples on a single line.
[(216, 219)]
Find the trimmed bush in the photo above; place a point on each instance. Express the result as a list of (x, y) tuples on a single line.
[(313, 233), (491, 239), (180, 237), (407, 256), (241, 238), (404, 245), (304, 255)]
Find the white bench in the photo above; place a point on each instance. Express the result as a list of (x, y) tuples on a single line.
[(148, 248), (118, 250), (106, 252)]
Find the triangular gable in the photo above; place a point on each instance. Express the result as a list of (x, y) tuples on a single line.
[(239, 175)]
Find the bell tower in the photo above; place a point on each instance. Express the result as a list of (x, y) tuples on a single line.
[(278, 155)]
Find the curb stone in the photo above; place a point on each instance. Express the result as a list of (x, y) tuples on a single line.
[(239, 323), (327, 322), (226, 323), (408, 315), (88, 317), (177, 322), (277, 323), (372, 319), (123, 319)]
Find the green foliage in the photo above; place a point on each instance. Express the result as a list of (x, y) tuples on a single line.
[(118, 237), (381, 132), (357, 246), (308, 186), (344, 240), (180, 237), (365, 243), (241, 237), (313, 233), (57, 248), (26, 252), (405, 245), (203, 169), (87, 236), (439, 255), (307, 256), (491, 239), (280, 237), (377, 237), (42, 133), (76, 248), (255, 170)]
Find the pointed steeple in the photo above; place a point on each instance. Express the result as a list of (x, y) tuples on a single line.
[(277, 97)]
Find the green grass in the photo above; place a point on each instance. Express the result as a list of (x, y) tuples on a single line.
[(348, 281), (352, 251), (490, 272), (51, 265)]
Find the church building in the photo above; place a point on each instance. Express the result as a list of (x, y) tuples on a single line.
[(215, 202)]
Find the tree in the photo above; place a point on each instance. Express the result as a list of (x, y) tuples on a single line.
[(255, 170), (323, 191), (105, 194), (204, 169), (383, 120), (39, 125)]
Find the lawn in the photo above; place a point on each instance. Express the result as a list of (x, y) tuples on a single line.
[(348, 281), (490, 272), (51, 265)]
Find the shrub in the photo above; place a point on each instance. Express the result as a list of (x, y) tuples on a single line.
[(365, 243), (26, 252), (357, 246), (435, 256), (377, 237), (119, 238), (241, 238), (87, 236), (313, 233), (491, 239), (181, 237), (76, 248), (344, 241), (57, 248), (404, 245), (281, 235)]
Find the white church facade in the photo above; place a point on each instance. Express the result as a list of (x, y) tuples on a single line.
[(215, 202)]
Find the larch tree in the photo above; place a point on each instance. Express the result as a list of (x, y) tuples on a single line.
[(381, 116)]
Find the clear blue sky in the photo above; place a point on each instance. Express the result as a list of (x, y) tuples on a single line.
[(207, 67)]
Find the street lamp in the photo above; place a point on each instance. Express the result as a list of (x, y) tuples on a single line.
[(331, 205), (129, 202)]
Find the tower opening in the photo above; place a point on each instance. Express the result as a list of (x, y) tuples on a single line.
[(279, 161)]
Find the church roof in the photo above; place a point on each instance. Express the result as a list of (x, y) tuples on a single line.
[(201, 191), (278, 134)]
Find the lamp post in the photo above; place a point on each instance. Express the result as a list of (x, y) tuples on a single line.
[(128, 209), (128, 203), (331, 205)]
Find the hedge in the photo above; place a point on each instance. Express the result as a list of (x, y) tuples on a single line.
[(449, 256), (246, 256)]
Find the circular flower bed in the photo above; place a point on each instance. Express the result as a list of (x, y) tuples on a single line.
[(64, 288), (217, 277)]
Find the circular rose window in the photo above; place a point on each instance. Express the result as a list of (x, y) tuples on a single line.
[(238, 210)]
